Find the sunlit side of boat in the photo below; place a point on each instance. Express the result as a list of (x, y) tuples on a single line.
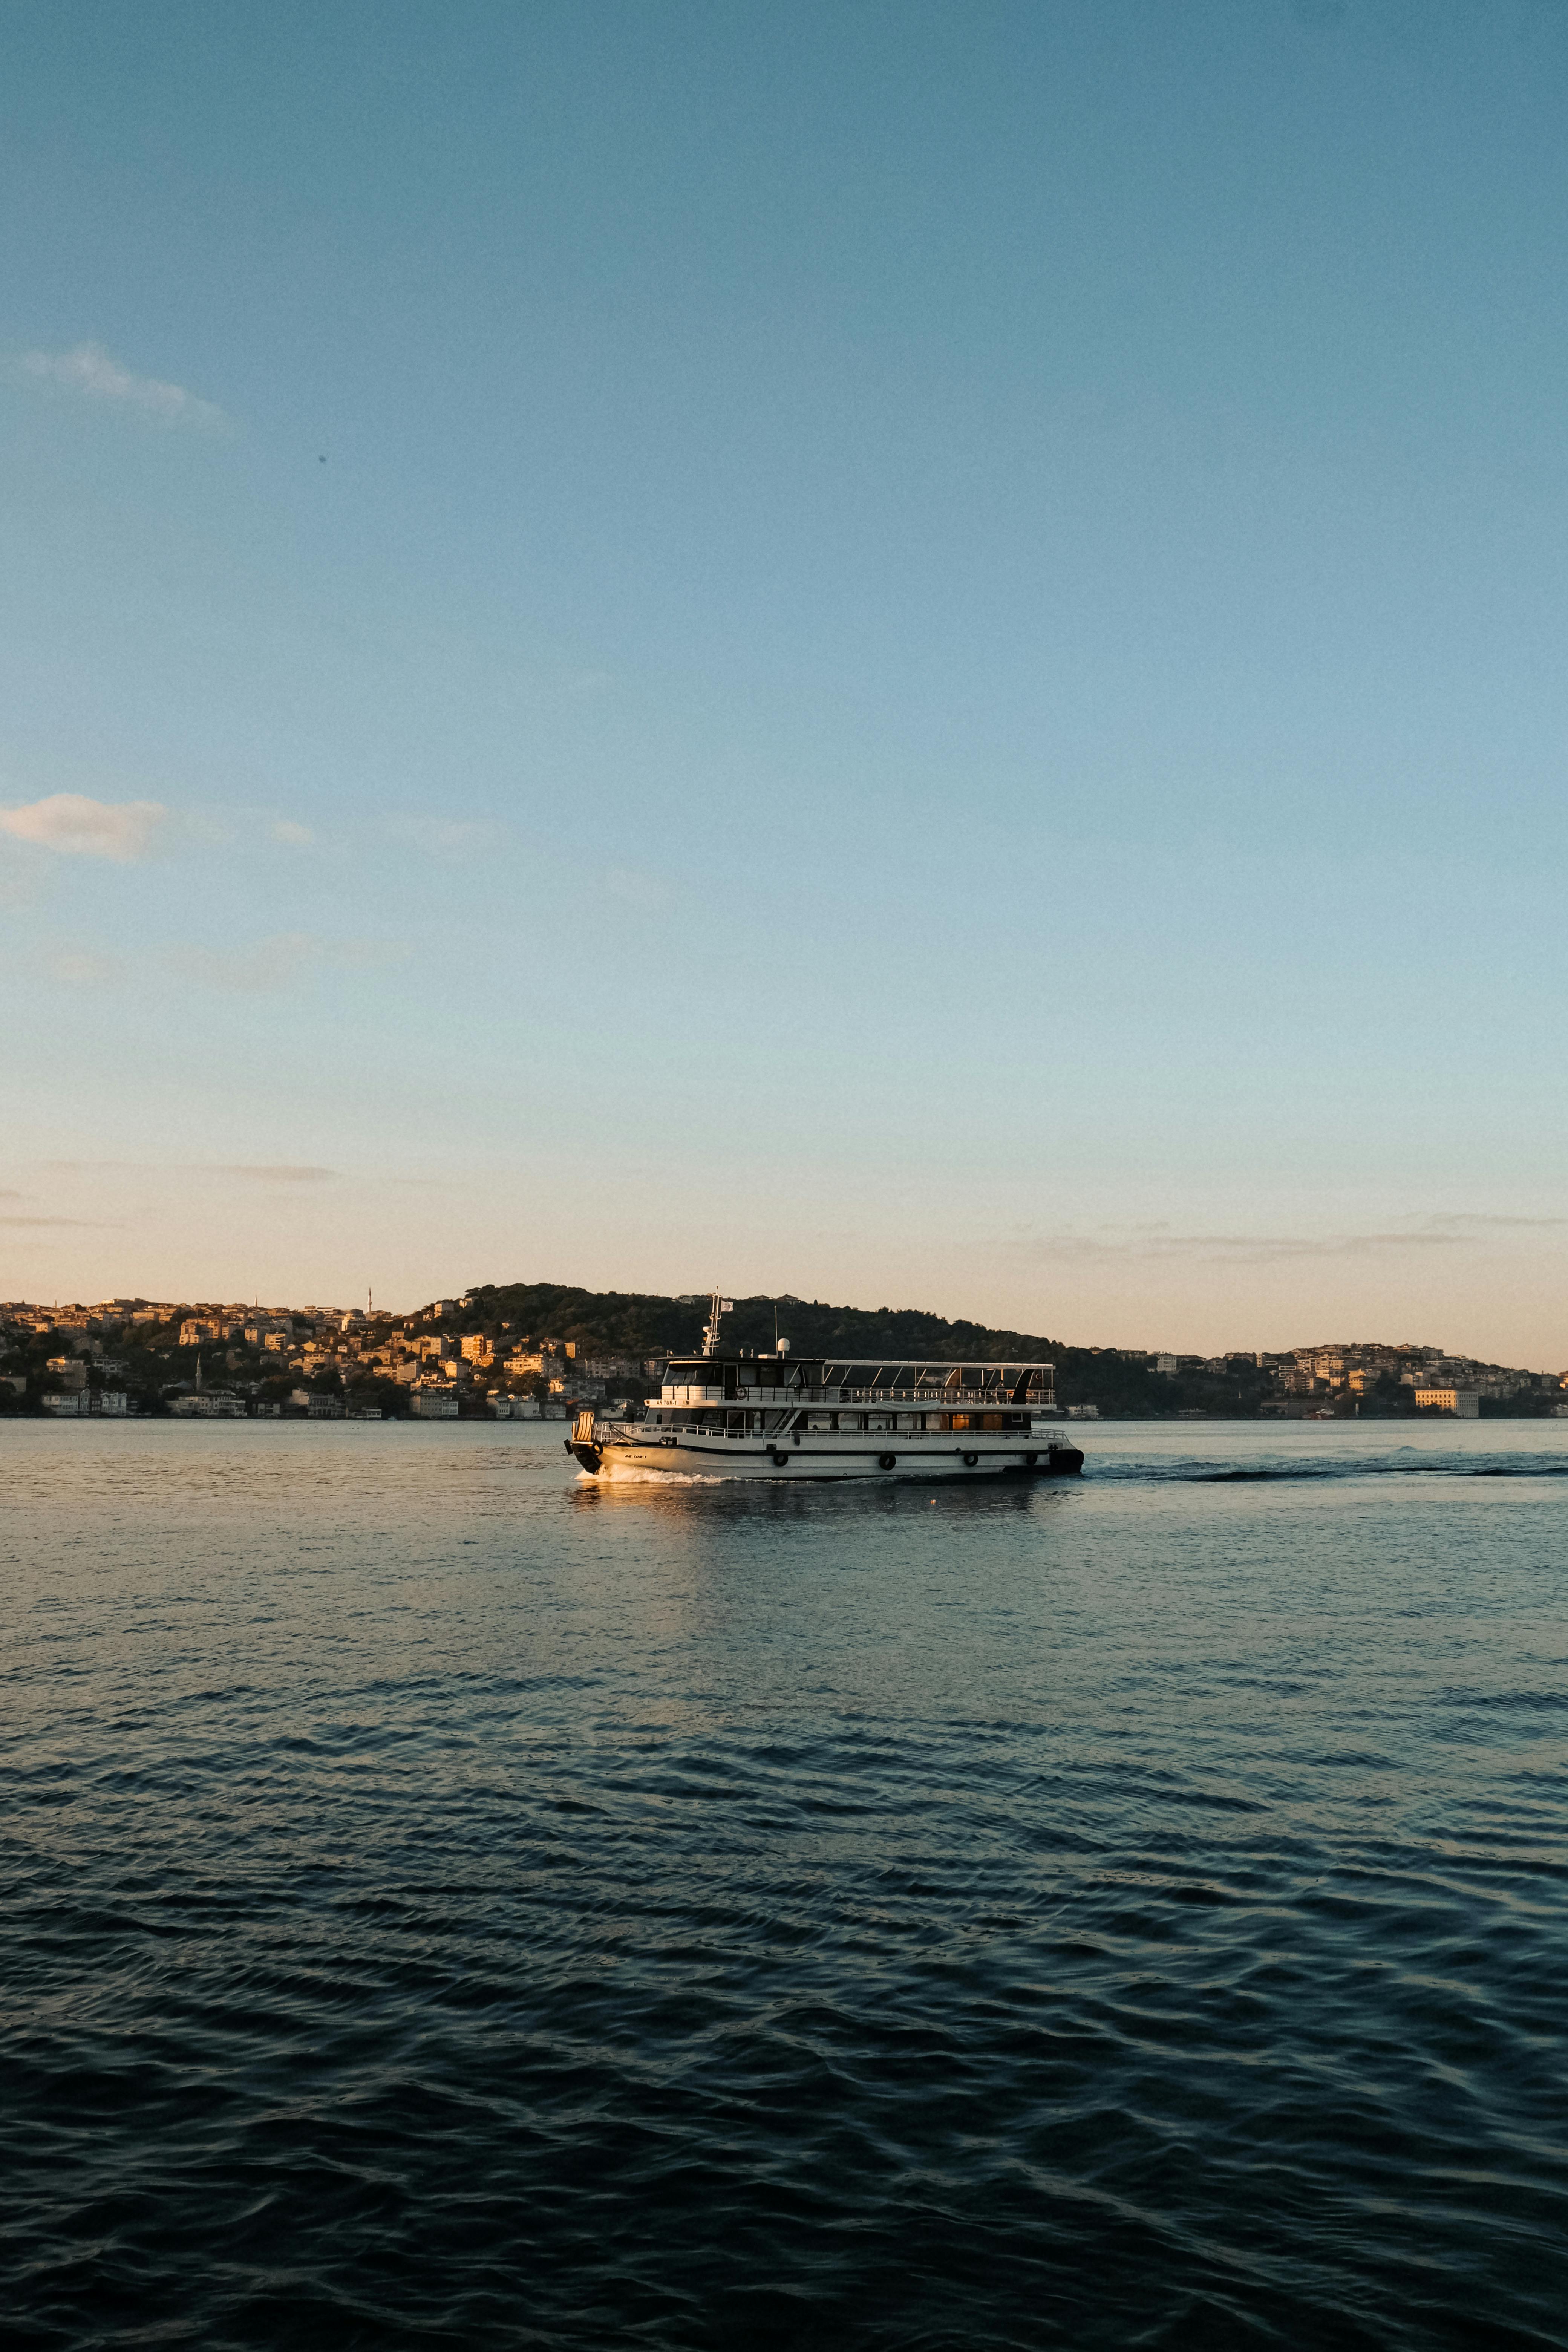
[(761, 1416)]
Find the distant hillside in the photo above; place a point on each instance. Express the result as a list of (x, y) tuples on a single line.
[(632, 1323)]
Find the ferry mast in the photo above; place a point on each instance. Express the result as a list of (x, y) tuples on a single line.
[(718, 1308)]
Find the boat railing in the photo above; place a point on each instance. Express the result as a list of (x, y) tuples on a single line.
[(772, 1399), (786, 1400), (998, 1399), (627, 1433)]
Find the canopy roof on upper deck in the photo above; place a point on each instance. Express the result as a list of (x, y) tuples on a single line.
[(936, 1372), (864, 1372)]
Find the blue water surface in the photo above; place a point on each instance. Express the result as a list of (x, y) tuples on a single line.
[(450, 1902)]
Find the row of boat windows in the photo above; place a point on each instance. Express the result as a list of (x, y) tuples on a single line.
[(737, 1419), (769, 1380), (674, 1393)]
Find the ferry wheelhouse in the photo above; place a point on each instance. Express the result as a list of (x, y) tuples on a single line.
[(780, 1416)]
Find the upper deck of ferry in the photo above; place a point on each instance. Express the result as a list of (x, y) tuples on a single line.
[(785, 1380)]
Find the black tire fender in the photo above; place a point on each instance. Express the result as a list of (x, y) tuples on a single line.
[(970, 1460), (779, 1458), (886, 1461)]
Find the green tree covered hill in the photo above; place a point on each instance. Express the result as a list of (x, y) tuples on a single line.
[(631, 1323)]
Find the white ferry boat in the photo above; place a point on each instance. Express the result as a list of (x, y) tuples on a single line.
[(778, 1416)]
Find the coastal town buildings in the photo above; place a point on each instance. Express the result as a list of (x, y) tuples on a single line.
[(214, 1359), (1464, 1402)]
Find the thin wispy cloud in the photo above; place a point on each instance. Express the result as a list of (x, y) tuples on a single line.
[(363, 955), (295, 836), (262, 970), (282, 1175), (75, 827), (79, 1224), (258, 1171), (444, 836), (81, 968), (636, 889), (286, 960), (1234, 1249), (1153, 1244), (88, 371), (1465, 1221)]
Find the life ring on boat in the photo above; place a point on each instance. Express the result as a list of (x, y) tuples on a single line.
[(970, 1460), (886, 1461), (780, 1459)]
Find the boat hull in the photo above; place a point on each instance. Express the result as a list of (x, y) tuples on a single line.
[(904, 1459)]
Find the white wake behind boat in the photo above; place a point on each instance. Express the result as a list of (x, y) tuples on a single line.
[(779, 1416)]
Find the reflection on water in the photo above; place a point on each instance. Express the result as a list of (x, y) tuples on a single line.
[(451, 1902)]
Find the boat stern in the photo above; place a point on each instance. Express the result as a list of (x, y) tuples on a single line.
[(582, 1443)]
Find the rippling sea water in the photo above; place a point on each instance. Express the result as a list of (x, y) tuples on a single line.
[(449, 1902)]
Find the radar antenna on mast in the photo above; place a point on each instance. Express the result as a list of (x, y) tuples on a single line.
[(717, 1309)]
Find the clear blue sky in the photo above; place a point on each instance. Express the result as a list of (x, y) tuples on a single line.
[(927, 664)]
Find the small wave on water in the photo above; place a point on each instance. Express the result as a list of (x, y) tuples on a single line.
[(1265, 1477), (440, 1912), (1336, 1465), (1297, 1472)]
